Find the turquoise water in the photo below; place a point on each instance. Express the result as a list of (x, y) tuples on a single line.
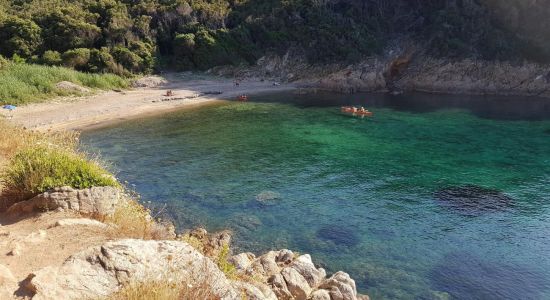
[(434, 197)]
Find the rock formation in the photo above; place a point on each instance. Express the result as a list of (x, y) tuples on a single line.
[(295, 277), (92, 201), (101, 271)]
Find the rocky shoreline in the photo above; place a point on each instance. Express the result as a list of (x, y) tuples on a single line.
[(404, 69), (192, 257)]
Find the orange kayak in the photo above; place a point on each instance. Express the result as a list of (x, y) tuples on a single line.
[(355, 112)]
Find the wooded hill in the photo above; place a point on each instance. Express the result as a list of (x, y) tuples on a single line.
[(136, 36)]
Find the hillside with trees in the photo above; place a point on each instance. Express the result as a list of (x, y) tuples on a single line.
[(137, 36)]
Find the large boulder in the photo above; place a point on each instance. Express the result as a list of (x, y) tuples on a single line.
[(297, 285), (278, 284), (340, 287), (93, 201), (149, 82), (254, 291), (305, 267), (71, 87), (242, 261), (101, 271)]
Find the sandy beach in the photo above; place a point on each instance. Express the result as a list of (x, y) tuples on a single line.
[(104, 108)]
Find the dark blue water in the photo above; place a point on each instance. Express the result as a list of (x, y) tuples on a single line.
[(435, 197)]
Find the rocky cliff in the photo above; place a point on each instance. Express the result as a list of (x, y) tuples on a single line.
[(404, 69)]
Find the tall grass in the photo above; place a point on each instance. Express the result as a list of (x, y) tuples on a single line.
[(32, 162), (40, 168), (26, 83)]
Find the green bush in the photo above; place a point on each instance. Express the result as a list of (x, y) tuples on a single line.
[(51, 58), (37, 169), (129, 60), (76, 58)]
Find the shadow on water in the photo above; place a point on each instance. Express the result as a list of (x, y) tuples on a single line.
[(510, 108), (465, 276)]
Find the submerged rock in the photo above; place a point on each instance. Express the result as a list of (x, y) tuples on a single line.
[(267, 197), (473, 200), (339, 235), (465, 276)]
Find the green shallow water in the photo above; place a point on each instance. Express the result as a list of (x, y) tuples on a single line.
[(360, 195)]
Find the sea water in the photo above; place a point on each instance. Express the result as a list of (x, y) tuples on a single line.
[(434, 197)]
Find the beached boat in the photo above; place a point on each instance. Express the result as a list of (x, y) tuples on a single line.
[(242, 98)]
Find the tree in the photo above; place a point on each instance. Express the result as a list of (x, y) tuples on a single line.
[(19, 36)]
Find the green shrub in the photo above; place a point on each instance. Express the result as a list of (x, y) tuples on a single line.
[(147, 53), (76, 58), (37, 169), (129, 60), (51, 58), (101, 61)]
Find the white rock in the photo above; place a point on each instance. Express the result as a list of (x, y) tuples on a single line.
[(320, 295), (340, 287), (305, 267), (278, 284), (255, 291), (242, 261), (99, 271), (72, 87), (296, 284)]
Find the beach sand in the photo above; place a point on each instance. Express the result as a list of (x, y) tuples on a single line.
[(80, 113)]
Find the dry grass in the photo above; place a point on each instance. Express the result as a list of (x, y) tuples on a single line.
[(133, 220), (14, 138), (197, 285), (163, 290)]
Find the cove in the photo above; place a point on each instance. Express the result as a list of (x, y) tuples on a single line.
[(435, 197)]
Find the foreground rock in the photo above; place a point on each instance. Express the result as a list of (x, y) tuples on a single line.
[(92, 201), (101, 271), (296, 277)]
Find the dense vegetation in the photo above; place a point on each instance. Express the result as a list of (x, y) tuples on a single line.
[(134, 36), (25, 83)]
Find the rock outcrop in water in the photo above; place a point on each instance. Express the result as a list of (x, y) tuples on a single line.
[(292, 276), (473, 200)]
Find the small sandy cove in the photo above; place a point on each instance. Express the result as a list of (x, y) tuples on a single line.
[(79, 113)]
